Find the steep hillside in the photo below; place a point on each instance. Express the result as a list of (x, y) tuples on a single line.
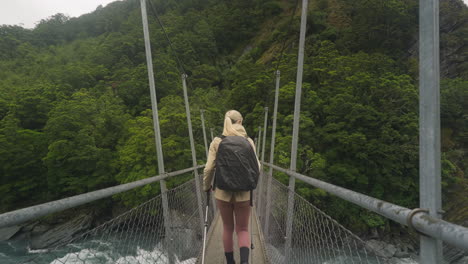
[(75, 109)]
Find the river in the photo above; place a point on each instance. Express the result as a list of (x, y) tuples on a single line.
[(116, 251), (93, 251)]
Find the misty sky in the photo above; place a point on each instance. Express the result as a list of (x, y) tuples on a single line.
[(28, 12)]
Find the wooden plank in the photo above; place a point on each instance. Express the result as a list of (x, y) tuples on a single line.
[(215, 249)]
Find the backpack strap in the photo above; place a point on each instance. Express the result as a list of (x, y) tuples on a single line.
[(214, 180), (223, 136)]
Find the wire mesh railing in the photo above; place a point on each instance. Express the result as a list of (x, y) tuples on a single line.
[(186, 233), (316, 237), (259, 197), (138, 236)]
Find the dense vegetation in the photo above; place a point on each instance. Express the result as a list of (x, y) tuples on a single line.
[(75, 110)]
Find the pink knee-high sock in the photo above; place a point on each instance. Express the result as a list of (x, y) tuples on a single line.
[(242, 214)]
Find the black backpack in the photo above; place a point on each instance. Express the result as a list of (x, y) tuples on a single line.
[(236, 165)]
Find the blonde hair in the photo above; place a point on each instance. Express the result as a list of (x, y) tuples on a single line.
[(230, 118)]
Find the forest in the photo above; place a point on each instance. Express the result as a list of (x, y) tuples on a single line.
[(75, 109)]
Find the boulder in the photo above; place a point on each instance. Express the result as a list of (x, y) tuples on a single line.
[(463, 260), (183, 242), (32, 229), (404, 250), (381, 248), (402, 261), (8, 232), (402, 254), (184, 234), (61, 233), (40, 229)]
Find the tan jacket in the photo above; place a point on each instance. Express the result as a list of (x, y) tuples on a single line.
[(223, 195)]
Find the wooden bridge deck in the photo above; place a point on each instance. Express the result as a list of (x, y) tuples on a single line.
[(215, 250)]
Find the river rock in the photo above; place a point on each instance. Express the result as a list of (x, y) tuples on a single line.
[(184, 234), (463, 260), (403, 250), (8, 232), (40, 229), (402, 261), (401, 254), (28, 227), (381, 248), (276, 257), (184, 241), (61, 233)]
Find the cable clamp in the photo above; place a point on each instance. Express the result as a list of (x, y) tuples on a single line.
[(409, 219)]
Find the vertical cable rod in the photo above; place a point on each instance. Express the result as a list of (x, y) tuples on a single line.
[(295, 136), (157, 135), (272, 156), (202, 112), (194, 155), (262, 173), (429, 124), (259, 141)]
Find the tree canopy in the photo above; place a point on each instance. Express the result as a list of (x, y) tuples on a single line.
[(75, 110)]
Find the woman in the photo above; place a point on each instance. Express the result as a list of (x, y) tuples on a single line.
[(231, 204)]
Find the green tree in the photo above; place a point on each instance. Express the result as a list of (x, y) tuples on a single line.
[(81, 133), (137, 158), (21, 168)]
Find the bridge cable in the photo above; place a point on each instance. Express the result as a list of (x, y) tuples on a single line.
[(179, 62), (283, 48)]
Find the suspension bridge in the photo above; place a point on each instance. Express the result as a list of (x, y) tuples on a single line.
[(285, 227)]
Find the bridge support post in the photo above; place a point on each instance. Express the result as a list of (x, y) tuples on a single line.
[(265, 123), (262, 174), (258, 143), (157, 135), (202, 112), (259, 140), (297, 111), (194, 155), (272, 156), (429, 124)]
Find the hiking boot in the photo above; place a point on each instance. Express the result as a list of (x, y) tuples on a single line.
[(229, 257)]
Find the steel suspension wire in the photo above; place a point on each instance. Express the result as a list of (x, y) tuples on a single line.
[(198, 180), (262, 190), (283, 46), (267, 99), (317, 238), (179, 62)]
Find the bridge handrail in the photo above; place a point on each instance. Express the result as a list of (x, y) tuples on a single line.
[(22, 215), (453, 234)]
